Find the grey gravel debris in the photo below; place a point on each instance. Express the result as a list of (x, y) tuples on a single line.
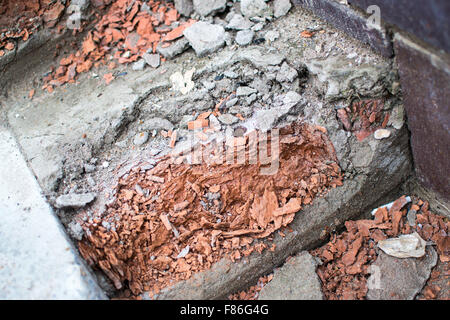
[(90, 181), (228, 119), (258, 27), (244, 37), (184, 7), (81, 4), (214, 123), (209, 85), (291, 98), (260, 59), (88, 168), (121, 144), (145, 8), (238, 22), (156, 123), (75, 230), (254, 8), (286, 73), (231, 102), (231, 74), (138, 65), (205, 38), (251, 98), (207, 7), (177, 47), (245, 91), (272, 35)]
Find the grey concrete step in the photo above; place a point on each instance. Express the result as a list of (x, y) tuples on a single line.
[(37, 261)]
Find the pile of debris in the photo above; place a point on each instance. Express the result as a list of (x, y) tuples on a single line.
[(347, 257), (148, 32), (21, 18), (177, 219)]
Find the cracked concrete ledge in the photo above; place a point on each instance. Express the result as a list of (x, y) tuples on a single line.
[(37, 260)]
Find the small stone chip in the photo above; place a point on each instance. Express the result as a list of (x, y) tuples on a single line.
[(74, 200)]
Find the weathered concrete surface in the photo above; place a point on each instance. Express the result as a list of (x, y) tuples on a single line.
[(341, 79), (17, 61), (295, 280), (400, 279), (36, 259), (425, 19), (425, 80), (351, 22)]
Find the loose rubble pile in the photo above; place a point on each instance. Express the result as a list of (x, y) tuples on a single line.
[(169, 220), (173, 220), (21, 18), (353, 262), (148, 32), (347, 257)]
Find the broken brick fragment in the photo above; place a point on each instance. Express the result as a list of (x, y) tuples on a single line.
[(216, 209), (197, 124), (347, 257), (124, 32)]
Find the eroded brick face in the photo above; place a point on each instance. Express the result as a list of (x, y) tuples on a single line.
[(426, 86)]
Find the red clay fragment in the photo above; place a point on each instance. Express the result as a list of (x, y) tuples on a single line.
[(350, 256)]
